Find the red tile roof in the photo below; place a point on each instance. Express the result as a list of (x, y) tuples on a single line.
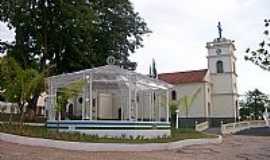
[(184, 77)]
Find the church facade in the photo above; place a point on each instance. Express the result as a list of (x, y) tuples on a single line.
[(213, 91)]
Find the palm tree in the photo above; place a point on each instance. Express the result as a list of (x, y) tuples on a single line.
[(185, 102), (64, 94)]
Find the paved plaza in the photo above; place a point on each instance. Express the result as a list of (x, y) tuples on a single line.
[(236, 147)]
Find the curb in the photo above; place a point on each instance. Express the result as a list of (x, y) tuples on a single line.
[(94, 147)]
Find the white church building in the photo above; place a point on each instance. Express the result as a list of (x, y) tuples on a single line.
[(214, 89)]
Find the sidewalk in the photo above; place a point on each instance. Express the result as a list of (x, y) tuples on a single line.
[(216, 131)]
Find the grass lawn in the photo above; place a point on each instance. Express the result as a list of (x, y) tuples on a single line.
[(43, 132)]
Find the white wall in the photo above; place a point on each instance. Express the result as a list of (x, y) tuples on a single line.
[(199, 106), (8, 108), (224, 106)]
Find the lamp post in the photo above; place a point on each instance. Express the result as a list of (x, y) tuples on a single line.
[(266, 116), (176, 119)]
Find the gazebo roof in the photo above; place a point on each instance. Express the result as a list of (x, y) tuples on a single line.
[(113, 73)]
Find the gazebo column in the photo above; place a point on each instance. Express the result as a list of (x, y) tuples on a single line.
[(136, 104), (129, 101), (91, 96), (167, 106), (121, 106), (143, 106), (50, 106), (159, 113), (83, 107), (52, 103), (139, 110), (154, 111), (83, 100), (122, 103), (150, 105)]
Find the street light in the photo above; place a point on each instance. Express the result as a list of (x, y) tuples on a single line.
[(176, 123)]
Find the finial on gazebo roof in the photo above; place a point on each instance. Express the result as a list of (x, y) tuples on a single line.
[(111, 60)]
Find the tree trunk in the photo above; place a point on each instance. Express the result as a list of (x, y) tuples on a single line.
[(32, 105), (21, 114), (21, 119), (44, 40), (10, 116)]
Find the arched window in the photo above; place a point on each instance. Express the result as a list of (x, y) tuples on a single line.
[(220, 67), (174, 95), (80, 100)]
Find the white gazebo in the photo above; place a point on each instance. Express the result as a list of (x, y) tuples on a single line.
[(113, 98)]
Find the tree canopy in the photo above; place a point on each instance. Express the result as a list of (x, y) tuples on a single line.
[(254, 104), (261, 56), (71, 35), (19, 85), (153, 70)]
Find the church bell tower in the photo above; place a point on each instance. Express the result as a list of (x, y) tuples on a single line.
[(222, 69)]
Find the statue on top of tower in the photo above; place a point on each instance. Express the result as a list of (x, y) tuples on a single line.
[(219, 30)]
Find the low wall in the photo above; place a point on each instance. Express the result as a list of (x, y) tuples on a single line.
[(27, 124), (213, 121), (217, 121), (201, 126), (190, 122), (16, 118), (80, 146), (231, 128)]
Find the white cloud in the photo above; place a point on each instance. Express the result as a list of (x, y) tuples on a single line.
[(181, 29), (5, 33)]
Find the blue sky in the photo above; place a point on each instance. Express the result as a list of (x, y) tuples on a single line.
[(181, 29)]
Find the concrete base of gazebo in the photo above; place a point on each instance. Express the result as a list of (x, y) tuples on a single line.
[(123, 129)]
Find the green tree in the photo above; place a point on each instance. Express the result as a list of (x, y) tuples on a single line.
[(261, 56), (19, 85), (153, 70), (72, 35), (244, 112), (1, 83), (254, 104), (150, 71)]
